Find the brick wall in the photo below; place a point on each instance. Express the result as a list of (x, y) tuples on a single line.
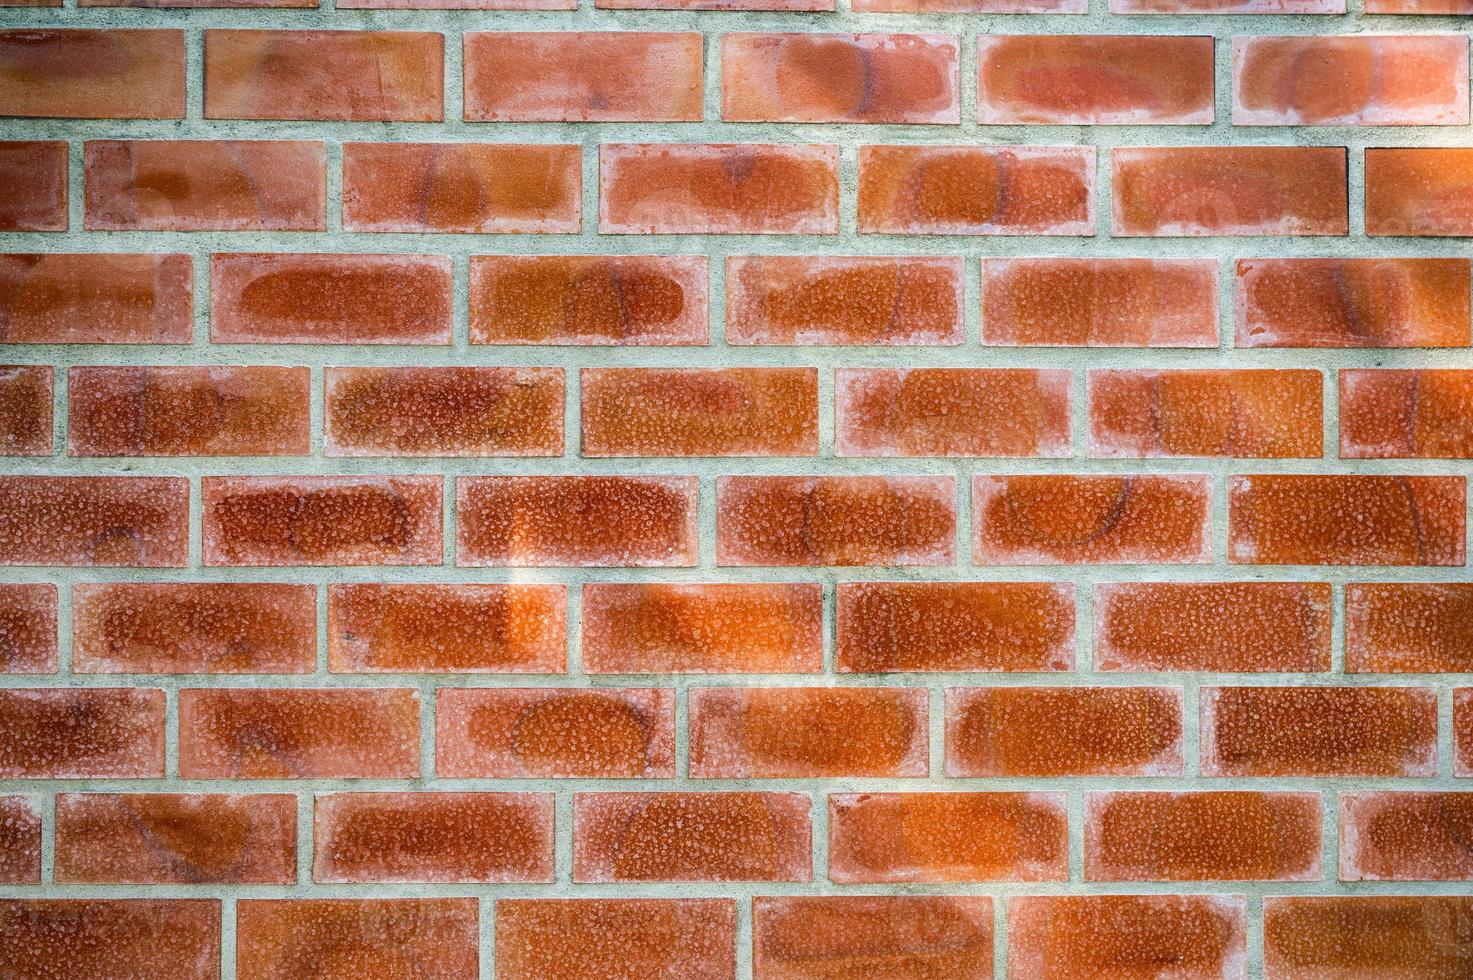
[(672, 493)]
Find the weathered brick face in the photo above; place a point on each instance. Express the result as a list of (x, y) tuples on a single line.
[(726, 489)]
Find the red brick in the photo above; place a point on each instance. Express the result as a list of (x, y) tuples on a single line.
[(964, 626), (1148, 627), (281, 733), (188, 411), (1463, 731), (1420, 190), (1419, 7), (1367, 936), (92, 74), (718, 189), (25, 410), (845, 78), (1094, 80), (971, 6), (457, 4), (1391, 414), (692, 837), (1408, 627), (456, 837), (572, 939), (1290, 519), (726, 628), (1217, 836), (284, 939), (1227, 6), (598, 521), (34, 173), (27, 628), (81, 733), (193, 628), (480, 188), (322, 520), (1350, 81), (137, 522), (361, 76), (945, 837), (1259, 414), (617, 300), (140, 938), (1405, 836), (835, 520), (155, 838), (95, 298), (202, 4), (582, 76), (788, 5), (852, 937), (449, 628), (976, 190), (1063, 731), (279, 298), (20, 841), (522, 733), (699, 412)]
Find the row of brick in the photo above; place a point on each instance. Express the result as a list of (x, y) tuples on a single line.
[(1197, 7)]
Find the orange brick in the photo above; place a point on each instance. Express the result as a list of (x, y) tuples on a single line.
[(188, 411), (1259, 414), (965, 626), (365, 76), (27, 628), (1419, 7), (1420, 190), (944, 837), (95, 298), (205, 185), (951, 412), (81, 733), (457, 837), (1198, 191), (25, 409), (1094, 80), (522, 733), (1405, 836), (1227, 6), (787, 5), (281, 938), (699, 412), (202, 4), (322, 520), (971, 6), (289, 733), (156, 838), (718, 189), (20, 842), (692, 837), (1063, 731), (611, 521), (1288, 519), (1216, 836), (1408, 627), (976, 190), (137, 522), (1367, 936), (728, 628), (848, 78), (851, 937), (34, 173), (1463, 731), (429, 628), (572, 939), (140, 938), (582, 76), (480, 188), (457, 4), (1401, 414), (92, 74), (1148, 627)]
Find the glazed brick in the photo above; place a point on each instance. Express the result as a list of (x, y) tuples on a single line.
[(716, 628), (1227, 6), (570, 939), (699, 412), (1289, 519), (35, 176), (20, 841), (1408, 627), (193, 628), (1419, 190), (842, 78), (1414, 80), (1259, 414), (1251, 627), (582, 76), (976, 190), (205, 185), (27, 628), (280, 733), (1100, 80), (524, 733), (819, 300), (457, 5), (879, 838), (853, 936), (960, 626), (1463, 731), (1191, 937), (1366, 936), (449, 628), (1418, 7), (162, 839), (138, 938), (1202, 836), (710, 837), (971, 6), (835, 520), (457, 837), (1405, 836), (95, 298), (1402, 414), (81, 733), (812, 732), (479, 188), (1068, 302), (138, 522), (92, 74), (283, 298), (611, 521), (951, 412), (25, 410), (283, 938), (363, 76), (1063, 731), (730, 5), (188, 411), (613, 300), (322, 520)]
